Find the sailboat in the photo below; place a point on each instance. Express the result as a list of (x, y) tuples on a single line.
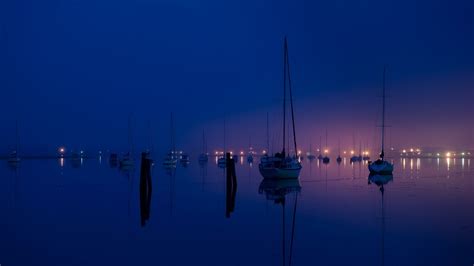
[(127, 160), (203, 157), (221, 161), (326, 157), (250, 155), (339, 159), (310, 154), (14, 158), (365, 153), (380, 166), (172, 157), (282, 165)]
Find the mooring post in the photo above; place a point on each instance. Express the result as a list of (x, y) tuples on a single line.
[(145, 188)]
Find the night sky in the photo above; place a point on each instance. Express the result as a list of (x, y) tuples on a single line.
[(73, 72)]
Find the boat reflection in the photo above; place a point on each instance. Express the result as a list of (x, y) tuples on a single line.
[(277, 191), (380, 181)]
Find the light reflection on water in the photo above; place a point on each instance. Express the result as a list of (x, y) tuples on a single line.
[(90, 215)]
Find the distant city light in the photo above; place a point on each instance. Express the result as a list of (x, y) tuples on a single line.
[(404, 151), (61, 150), (326, 151), (411, 150), (352, 152), (448, 154)]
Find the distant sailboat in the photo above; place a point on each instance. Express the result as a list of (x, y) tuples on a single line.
[(221, 161), (355, 158), (339, 159), (172, 157), (310, 154), (381, 166), (250, 154), (326, 157), (203, 157), (14, 158), (282, 165), (127, 160)]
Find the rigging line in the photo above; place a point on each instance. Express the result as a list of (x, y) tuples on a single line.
[(291, 98), (293, 230), (284, 94)]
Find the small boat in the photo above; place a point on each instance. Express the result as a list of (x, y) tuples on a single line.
[(380, 166), (326, 160), (310, 154), (283, 165), (127, 160), (203, 157), (14, 159), (326, 157), (250, 158), (355, 159), (171, 158), (184, 160), (221, 162), (339, 158)]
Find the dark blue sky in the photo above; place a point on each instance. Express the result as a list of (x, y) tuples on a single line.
[(73, 71)]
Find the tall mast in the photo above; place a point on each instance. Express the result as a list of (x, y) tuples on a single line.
[(326, 139), (173, 148), (203, 143), (291, 97), (284, 96), (383, 115), (224, 142), (130, 144), (17, 137), (268, 137)]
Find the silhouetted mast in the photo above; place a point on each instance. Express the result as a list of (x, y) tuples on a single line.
[(383, 115)]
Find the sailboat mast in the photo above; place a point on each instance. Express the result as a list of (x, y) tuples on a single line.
[(173, 148), (284, 96), (291, 97), (224, 142), (383, 115), (17, 138), (268, 137), (130, 144)]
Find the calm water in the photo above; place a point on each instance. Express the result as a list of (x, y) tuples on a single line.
[(90, 215)]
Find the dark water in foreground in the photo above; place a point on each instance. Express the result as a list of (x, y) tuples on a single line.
[(90, 215)]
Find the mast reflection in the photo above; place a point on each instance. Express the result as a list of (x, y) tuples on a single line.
[(276, 191), (380, 181)]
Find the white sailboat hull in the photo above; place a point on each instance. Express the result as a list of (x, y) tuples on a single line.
[(380, 167)]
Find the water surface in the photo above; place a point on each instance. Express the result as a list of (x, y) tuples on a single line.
[(66, 213)]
